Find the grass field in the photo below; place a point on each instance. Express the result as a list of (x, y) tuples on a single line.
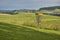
[(24, 27)]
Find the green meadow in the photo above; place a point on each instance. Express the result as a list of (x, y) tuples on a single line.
[(23, 26)]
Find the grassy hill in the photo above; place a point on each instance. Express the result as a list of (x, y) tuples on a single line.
[(54, 10), (24, 27)]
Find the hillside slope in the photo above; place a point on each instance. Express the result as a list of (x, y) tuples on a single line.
[(23, 27), (15, 32)]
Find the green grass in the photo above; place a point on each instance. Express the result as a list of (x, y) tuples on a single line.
[(51, 22), (15, 32), (24, 27)]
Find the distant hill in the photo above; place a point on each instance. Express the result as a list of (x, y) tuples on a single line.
[(8, 11), (17, 11), (50, 8)]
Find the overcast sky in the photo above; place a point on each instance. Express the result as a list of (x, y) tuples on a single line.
[(27, 4)]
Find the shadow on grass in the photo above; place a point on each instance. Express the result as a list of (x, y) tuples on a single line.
[(15, 32)]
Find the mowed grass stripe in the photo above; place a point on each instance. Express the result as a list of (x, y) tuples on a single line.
[(26, 33)]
